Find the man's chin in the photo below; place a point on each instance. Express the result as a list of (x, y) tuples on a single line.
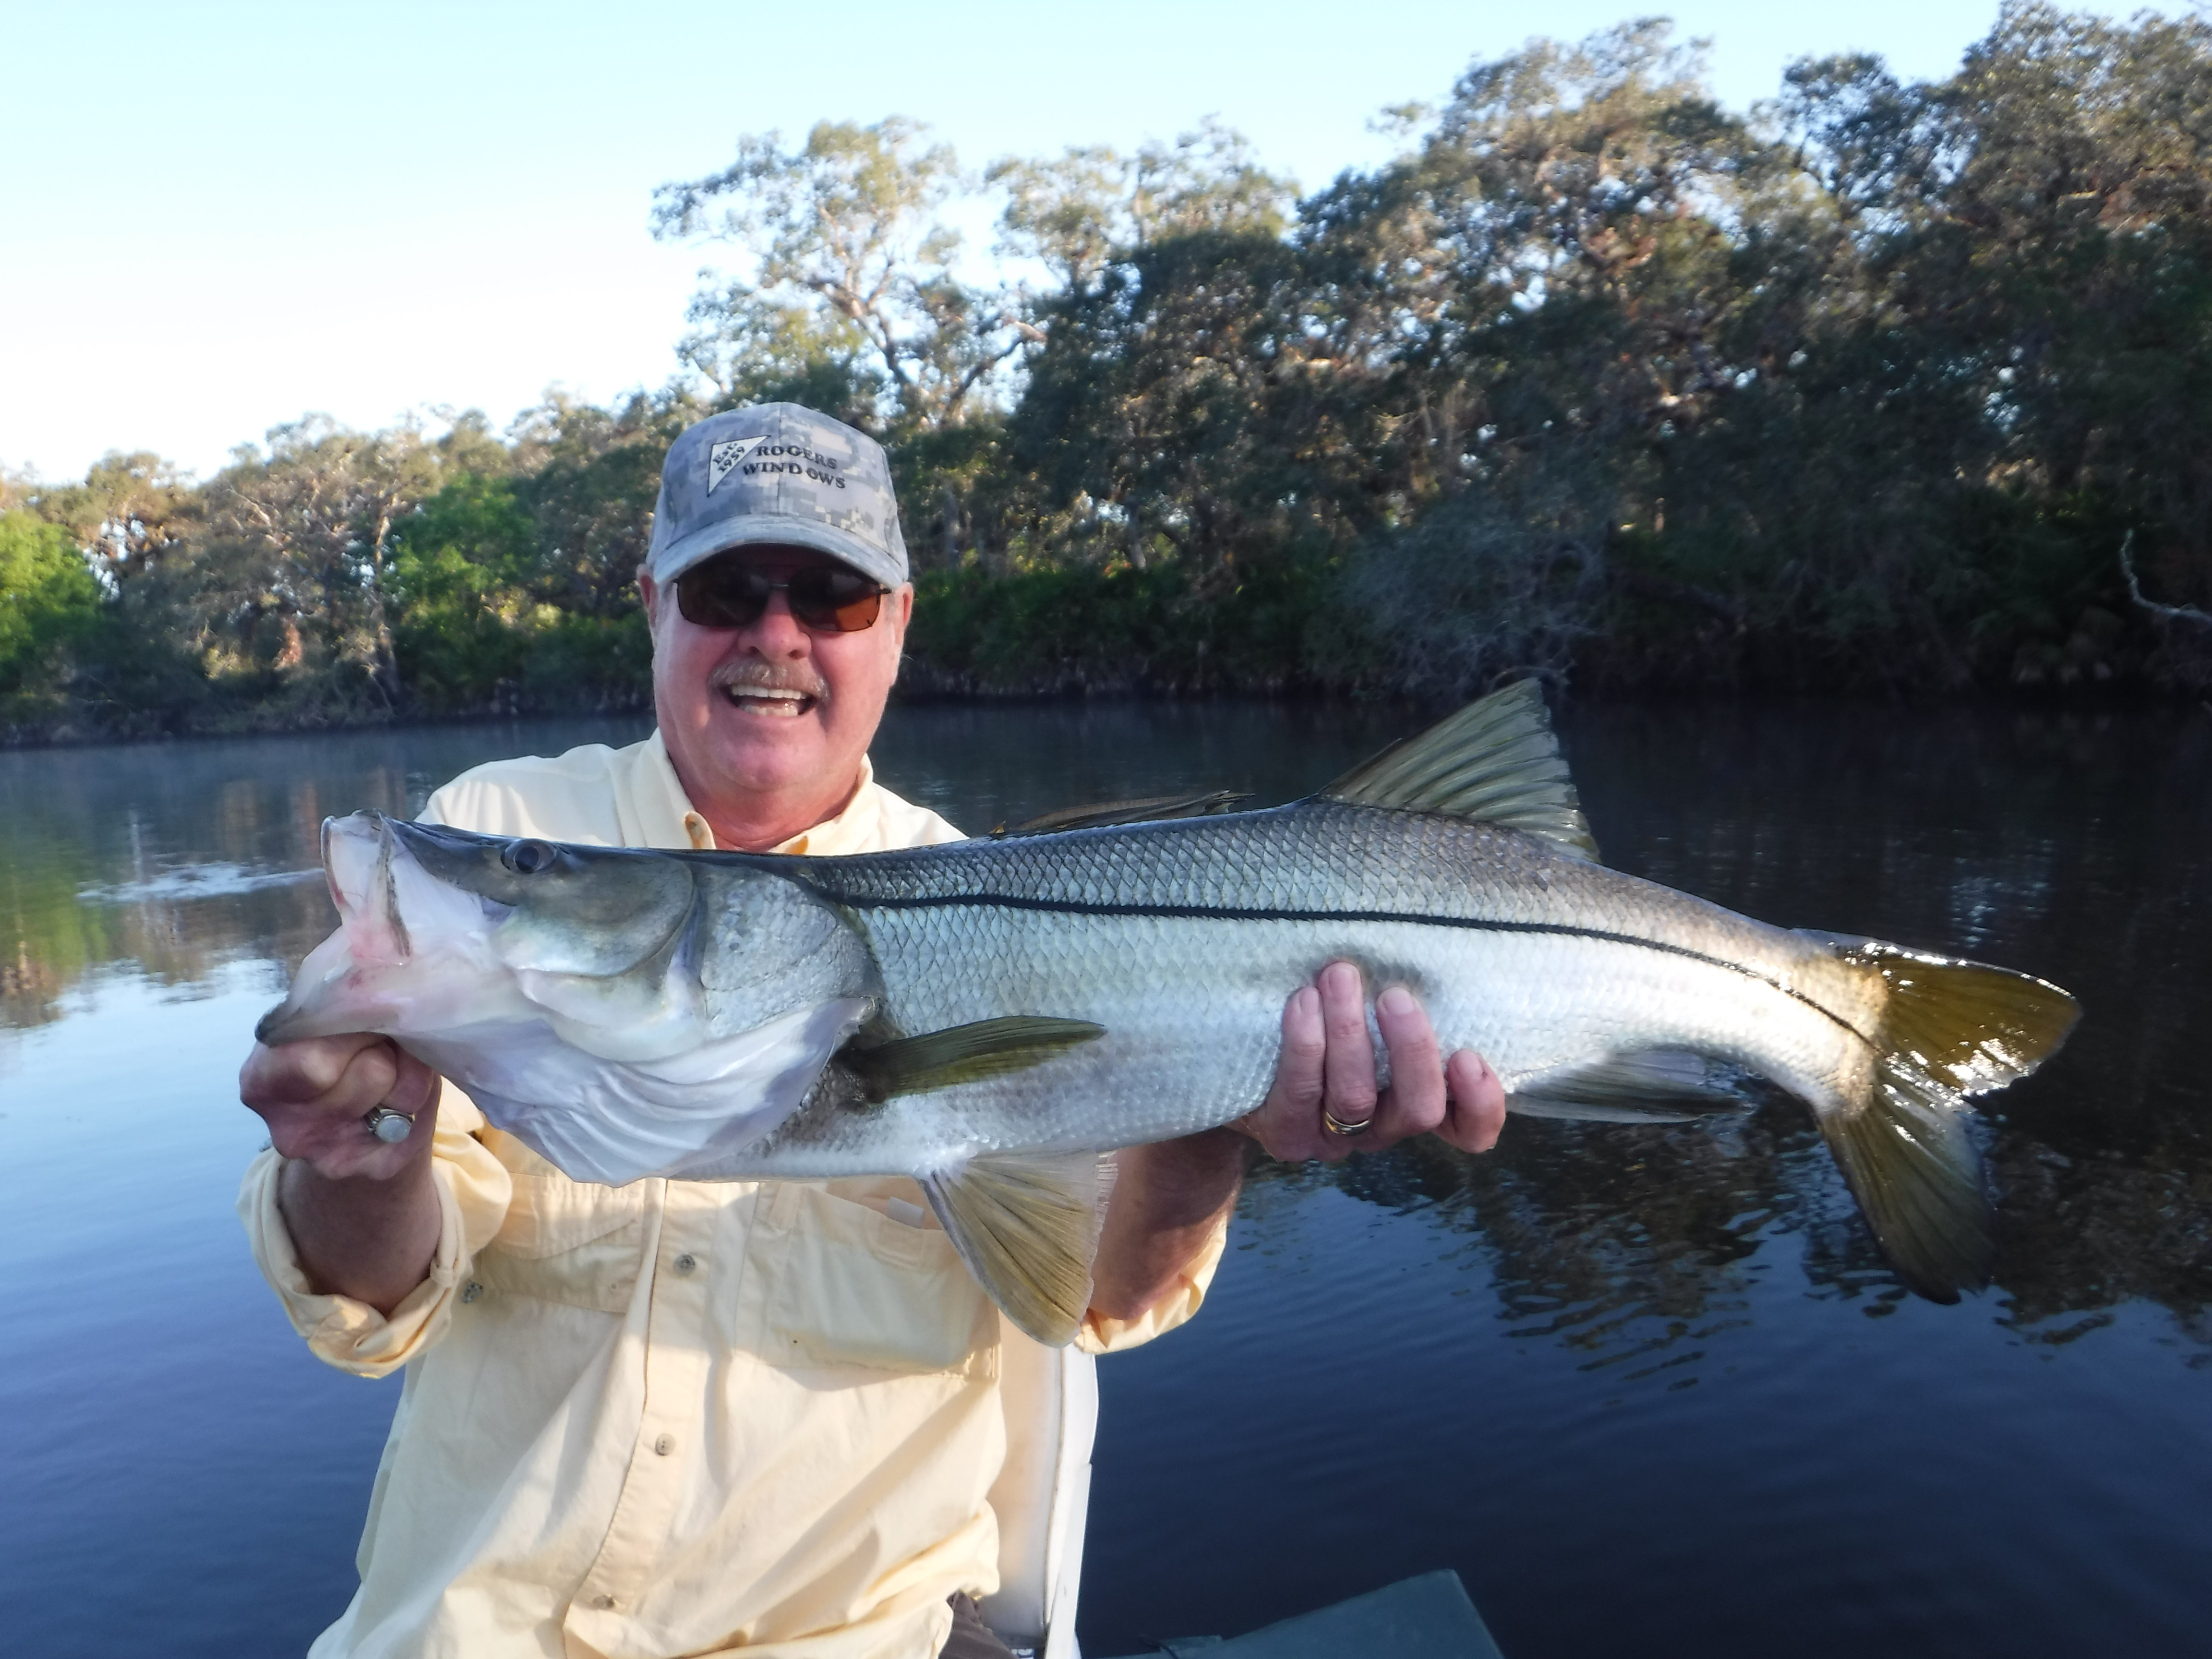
[(770, 751)]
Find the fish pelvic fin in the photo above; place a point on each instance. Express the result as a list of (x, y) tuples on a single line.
[(1496, 760), (1949, 1029), (963, 1053), (1027, 1224)]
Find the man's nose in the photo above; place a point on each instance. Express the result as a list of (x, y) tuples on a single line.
[(776, 633)]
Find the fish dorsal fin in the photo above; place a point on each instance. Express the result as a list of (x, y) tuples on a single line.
[(1027, 1226), (1151, 810), (963, 1053), (1496, 760)]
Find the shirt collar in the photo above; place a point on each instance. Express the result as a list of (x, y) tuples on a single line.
[(677, 822)]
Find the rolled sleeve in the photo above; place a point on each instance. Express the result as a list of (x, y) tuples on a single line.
[(1100, 1334), (473, 1189)]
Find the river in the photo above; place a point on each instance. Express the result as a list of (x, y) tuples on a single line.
[(1647, 1388)]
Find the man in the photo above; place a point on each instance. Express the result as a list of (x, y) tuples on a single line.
[(683, 1418)]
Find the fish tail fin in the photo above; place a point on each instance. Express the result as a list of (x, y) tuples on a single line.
[(1948, 1030)]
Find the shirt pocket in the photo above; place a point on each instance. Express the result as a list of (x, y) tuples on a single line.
[(847, 1287), (562, 1240)]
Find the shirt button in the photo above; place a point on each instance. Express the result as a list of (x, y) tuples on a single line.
[(665, 1444), (686, 1262), (603, 1602), (472, 1291)]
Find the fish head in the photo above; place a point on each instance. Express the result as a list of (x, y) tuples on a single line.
[(593, 912), (440, 930)]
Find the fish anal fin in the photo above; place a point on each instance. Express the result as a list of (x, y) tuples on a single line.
[(1027, 1226), (1655, 1085), (1496, 760), (963, 1053)]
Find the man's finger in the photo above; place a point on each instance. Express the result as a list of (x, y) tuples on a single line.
[(297, 1073), (1348, 1066), (1305, 1039), (1476, 1114), (1415, 1103)]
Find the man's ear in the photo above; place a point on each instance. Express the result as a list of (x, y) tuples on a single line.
[(651, 595)]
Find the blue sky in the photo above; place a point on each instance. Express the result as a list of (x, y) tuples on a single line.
[(220, 216)]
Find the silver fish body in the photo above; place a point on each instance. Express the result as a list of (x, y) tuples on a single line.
[(990, 1016), (1184, 940)]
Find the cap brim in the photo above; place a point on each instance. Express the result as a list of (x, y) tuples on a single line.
[(775, 530)]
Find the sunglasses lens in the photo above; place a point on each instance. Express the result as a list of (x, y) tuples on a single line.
[(721, 596), (835, 598), (718, 595)]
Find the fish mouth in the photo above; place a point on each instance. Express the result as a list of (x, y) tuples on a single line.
[(391, 911)]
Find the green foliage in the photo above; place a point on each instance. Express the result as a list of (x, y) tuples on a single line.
[(458, 573), (1594, 378), (1075, 628), (49, 606)]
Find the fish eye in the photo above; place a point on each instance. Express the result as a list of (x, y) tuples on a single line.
[(526, 858)]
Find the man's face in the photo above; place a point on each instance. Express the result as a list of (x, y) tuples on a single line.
[(772, 713)]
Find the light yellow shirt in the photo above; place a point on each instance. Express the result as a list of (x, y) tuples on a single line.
[(673, 1417)]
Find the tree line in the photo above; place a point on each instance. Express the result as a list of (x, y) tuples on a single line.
[(1865, 389)]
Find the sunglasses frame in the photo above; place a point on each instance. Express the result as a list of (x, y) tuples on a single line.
[(815, 619)]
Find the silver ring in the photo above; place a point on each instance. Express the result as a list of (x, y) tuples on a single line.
[(389, 1127), (1337, 1126)]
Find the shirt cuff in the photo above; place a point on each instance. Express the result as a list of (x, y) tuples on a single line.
[(472, 1190), (1100, 1334)]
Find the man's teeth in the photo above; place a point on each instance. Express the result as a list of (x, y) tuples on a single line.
[(760, 699)]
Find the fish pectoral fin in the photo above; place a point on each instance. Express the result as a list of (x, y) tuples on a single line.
[(1027, 1226), (1657, 1085), (963, 1053), (1496, 760)]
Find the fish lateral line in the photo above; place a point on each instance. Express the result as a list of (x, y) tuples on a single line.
[(1228, 913)]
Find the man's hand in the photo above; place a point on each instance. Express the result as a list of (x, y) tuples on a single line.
[(1327, 1064), (362, 1213), (315, 1096)]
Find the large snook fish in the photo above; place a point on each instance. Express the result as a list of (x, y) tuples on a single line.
[(991, 1016)]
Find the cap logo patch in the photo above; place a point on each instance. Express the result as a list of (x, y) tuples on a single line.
[(722, 459)]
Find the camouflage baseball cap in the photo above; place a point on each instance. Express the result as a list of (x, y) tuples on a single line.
[(779, 473)]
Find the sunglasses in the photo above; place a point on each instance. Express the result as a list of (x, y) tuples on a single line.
[(723, 593)]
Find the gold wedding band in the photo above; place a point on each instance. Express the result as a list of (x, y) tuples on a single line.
[(1337, 1126)]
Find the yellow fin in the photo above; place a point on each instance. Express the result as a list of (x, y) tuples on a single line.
[(1971, 1026), (1950, 1029), (1905, 1153), (1027, 1226), (963, 1053), (1496, 760)]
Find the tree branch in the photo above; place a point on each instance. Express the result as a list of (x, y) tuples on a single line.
[(2170, 612)]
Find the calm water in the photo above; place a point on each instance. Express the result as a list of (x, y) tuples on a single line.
[(1643, 1387)]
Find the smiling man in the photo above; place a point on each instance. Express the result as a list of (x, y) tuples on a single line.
[(746, 1416)]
